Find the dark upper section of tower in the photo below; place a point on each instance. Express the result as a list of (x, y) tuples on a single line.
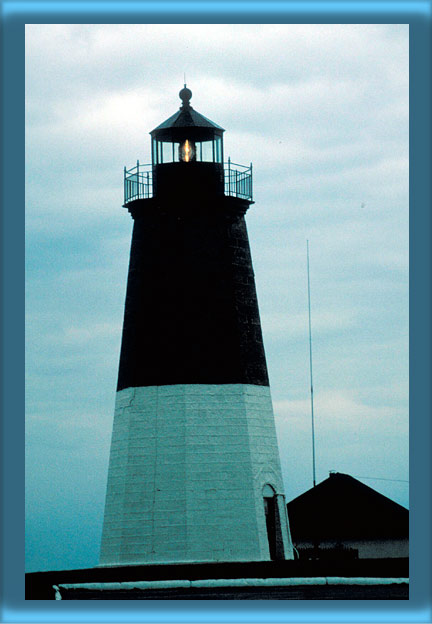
[(191, 313)]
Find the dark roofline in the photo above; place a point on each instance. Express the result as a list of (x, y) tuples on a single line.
[(341, 508), (352, 481), (187, 118)]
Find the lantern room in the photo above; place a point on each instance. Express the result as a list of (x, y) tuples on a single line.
[(187, 163), (187, 136), (187, 154)]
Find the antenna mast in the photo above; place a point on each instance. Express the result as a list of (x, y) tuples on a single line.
[(310, 367)]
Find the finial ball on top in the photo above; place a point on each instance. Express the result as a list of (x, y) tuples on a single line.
[(185, 95)]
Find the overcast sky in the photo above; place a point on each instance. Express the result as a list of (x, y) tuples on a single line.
[(322, 112)]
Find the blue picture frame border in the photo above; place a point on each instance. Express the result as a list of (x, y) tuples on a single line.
[(15, 14)]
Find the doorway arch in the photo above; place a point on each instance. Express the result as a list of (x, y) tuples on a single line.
[(273, 524)]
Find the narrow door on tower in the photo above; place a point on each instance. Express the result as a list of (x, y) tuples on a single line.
[(272, 522)]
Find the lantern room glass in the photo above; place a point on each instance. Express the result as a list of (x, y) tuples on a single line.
[(172, 151)]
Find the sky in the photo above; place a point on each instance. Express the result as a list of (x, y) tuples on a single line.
[(322, 112)]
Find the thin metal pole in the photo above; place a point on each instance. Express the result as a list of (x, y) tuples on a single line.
[(310, 367)]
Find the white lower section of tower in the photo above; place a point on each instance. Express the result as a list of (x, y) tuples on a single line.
[(190, 467)]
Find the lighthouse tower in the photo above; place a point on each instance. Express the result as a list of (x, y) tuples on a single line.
[(194, 471)]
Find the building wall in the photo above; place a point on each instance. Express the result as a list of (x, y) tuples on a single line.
[(187, 469), (380, 549), (368, 549)]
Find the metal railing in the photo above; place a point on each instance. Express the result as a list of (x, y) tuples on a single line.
[(238, 180), (138, 181)]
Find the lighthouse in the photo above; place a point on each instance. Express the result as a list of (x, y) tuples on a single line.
[(194, 471)]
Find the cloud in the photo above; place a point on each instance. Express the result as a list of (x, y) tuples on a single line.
[(343, 441), (343, 411), (295, 325)]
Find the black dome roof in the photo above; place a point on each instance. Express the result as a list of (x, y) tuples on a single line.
[(189, 118)]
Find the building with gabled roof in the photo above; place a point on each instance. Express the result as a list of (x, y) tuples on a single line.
[(343, 517)]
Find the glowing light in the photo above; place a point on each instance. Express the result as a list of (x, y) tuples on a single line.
[(187, 151)]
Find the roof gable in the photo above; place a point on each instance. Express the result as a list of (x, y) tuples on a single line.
[(342, 507)]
